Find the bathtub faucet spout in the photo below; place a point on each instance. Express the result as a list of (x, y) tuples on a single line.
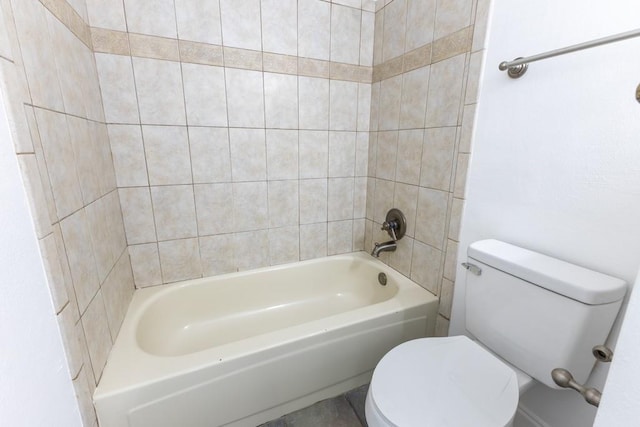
[(389, 246)]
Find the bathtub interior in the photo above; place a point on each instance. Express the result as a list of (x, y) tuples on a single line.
[(194, 317)]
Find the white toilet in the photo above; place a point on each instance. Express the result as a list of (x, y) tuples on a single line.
[(529, 313)]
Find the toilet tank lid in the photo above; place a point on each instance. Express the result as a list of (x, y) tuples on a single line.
[(570, 280)]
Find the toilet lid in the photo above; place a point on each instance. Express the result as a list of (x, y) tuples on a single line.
[(448, 381)]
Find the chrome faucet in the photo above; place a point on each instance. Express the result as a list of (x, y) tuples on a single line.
[(389, 246)]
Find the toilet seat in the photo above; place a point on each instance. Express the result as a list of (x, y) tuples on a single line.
[(435, 382)]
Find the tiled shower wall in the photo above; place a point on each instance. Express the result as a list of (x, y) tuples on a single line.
[(239, 129), (427, 55), (50, 84)]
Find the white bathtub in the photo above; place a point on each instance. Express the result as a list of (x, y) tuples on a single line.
[(244, 348)]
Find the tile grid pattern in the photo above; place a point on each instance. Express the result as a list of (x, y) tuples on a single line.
[(62, 146), (423, 105), (244, 167)]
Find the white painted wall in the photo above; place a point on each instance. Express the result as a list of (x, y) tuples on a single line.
[(555, 163), (35, 388), (619, 406)]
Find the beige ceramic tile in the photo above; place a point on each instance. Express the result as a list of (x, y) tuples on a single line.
[(145, 263), (313, 201), (210, 156), (82, 386), (284, 245), (60, 160), (342, 154), (217, 254), (461, 176), (276, 63), (118, 88), (480, 25), (251, 249), (339, 237), (409, 155), (199, 20), (283, 203), (180, 260), (35, 193), (431, 217), (450, 260), (395, 24), (343, 105), (420, 23), (473, 81), (153, 17), (437, 158), (456, 219), (314, 27), (313, 103), (313, 241), (468, 120), (154, 47), (340, 198), (87, 155), (405, 198), (383, 199), (117, 292), (345, 34), (205, 95), (128, 155), (451, 16), (250, 206), (413, 104), (245, 98), (281, 101), (96, 214), (159, 89), (110, 41), (444, 96), (366, 38), (96, 331), (387, 152), (390, 101), (214, 208), (53, 270), (378, 38), (174, 211), (425, 266), (314, 154), (201, 53), (446, 298), (77, 240), (362, 153), (107, 14), (452, 45), (417, 58), (442, 327), (360, 197), (241, 24), (242, 58), (72, 338), (167, 153), (358, 235), (282, 154), (248, 154), (313, 68), (279, 26), (400, 259), (137, 214)]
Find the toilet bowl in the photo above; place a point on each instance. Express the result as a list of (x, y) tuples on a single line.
[(449, 381)]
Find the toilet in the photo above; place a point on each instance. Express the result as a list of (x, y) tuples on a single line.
[(525, 314)]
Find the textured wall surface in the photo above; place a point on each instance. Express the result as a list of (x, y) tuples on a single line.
[(427, 55), (239, 130)]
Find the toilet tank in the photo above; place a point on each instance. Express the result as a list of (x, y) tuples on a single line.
[(537, 312)]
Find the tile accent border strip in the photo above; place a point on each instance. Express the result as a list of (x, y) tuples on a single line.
[(439, 50), (66, 14), (145, 46)]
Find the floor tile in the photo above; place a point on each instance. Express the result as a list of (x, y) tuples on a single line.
[(336, 412), (356, 398)]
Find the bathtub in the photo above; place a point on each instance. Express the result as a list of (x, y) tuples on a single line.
[(244, 348)]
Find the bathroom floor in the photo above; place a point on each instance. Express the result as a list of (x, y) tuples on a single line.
[(346, 410)]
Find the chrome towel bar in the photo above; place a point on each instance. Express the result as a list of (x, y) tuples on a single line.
[(518, 66)]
